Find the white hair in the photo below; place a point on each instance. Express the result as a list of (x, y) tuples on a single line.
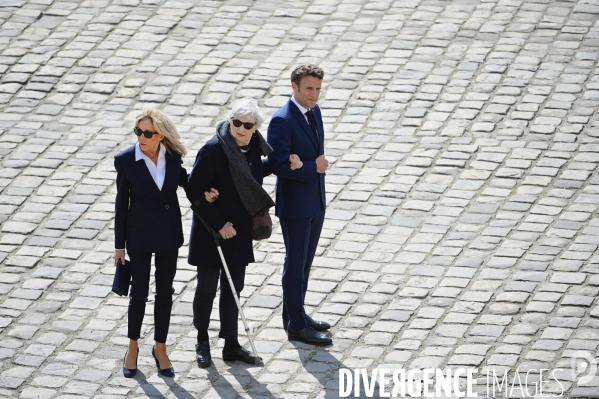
[(245, 107)]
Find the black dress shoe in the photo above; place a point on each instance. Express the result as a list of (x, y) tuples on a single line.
[(309, 336), (169, 372), (241, 354), (203, 354), (130, 373), (316, 325)]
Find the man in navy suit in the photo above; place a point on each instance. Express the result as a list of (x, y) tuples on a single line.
[(297, 128)]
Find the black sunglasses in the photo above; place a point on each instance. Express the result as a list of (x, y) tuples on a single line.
[(138, 132), (246, 125)]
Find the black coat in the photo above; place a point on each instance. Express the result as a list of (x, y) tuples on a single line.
[(211, 170), (147, 220)]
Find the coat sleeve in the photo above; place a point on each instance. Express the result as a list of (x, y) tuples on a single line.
[(266, 171), (201, 180), (279, 138), (121, 206), (183, 176)]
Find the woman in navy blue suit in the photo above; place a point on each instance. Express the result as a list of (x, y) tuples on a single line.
[(148, 221), (231, 163)]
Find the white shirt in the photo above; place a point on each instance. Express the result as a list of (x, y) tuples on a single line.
[(157, 171), (302, 109)]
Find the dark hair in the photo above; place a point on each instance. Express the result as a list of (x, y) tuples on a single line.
[(306, 70)]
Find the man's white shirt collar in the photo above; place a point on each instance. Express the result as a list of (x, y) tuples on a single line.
[(302, 109)]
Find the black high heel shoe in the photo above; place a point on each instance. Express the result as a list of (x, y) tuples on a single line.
[(130, 373), (170, 372)]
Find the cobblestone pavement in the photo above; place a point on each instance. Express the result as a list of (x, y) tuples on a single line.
[(462, 227)]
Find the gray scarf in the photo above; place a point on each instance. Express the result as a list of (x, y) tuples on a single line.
[(254, 198)]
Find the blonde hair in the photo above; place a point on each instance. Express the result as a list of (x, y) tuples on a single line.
[(165, 127)]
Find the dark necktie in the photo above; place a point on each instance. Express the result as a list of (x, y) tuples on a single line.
[(312, 123)]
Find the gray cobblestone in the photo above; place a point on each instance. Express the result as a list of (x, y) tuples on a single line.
[(463, 195)]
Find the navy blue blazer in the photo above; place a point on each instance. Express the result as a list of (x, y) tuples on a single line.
[(300, 193), (211, 170), (147, 220)]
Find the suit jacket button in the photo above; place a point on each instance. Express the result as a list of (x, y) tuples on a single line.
[(166, 206)]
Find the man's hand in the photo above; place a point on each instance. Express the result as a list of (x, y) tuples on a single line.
[(295, 162), (321, 164), (119, 254), (227, 231), (211, 195)]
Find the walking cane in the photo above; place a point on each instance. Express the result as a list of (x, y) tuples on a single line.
[(216, 236)]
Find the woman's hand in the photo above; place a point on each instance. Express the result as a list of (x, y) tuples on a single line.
[(227, 231), (211, 195), (119, 254), (295, 162)]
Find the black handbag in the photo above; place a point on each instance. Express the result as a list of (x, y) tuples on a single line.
[(122, 278), (261, 226)]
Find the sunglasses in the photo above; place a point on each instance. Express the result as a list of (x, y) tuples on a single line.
[(138, 132), (246, 125)]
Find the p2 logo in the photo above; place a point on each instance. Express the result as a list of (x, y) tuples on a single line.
[(583, 367)]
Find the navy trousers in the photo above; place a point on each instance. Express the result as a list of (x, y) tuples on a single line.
[(166, 267), (204, 297), (301, 239)]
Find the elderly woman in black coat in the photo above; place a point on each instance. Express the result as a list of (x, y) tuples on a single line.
[(231, 163)]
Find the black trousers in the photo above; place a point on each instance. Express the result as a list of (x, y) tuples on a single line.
[(166, 267), (204, 297)]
